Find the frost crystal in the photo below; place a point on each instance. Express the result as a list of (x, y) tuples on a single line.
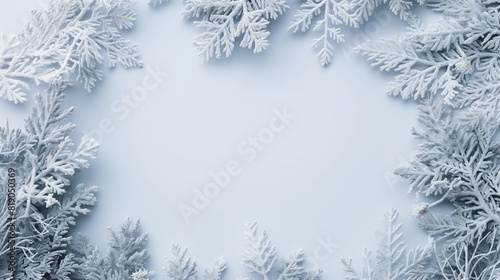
[(333, 13), (393, 261), (67, 38), (458, 57), (227, 20)]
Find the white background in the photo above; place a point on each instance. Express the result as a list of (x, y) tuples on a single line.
[(325, 176)]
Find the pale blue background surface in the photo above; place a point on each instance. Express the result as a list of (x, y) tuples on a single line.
[(325, 175)]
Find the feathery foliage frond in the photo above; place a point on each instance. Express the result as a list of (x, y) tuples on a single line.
[(225, 21), (393, 260), (67, 38)]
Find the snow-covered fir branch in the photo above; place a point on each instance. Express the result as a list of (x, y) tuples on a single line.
[(67, 40), (259, 257), (180, 267), (329, 15), (393, 260), (47, 202), (458, 164), (226, 21), (480, 260), (332, 14), (457, 57), (126, 258)]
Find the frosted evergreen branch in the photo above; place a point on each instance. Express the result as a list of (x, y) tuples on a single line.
[(51, 162), (291, 268), (180, 267), (331, 14), (393, 260), (47, 202), (4, 218), (227, 20), (217, 270), (458, 163), (479, 260), (457, 57), (67, 38), (126, 258), (363, 10), (334, 13), (260, 256), (419, 75), (13, 144), (127, 253)]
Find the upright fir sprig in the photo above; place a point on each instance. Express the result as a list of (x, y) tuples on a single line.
[(47, 201), (126, 258), (331, 14), (393, 260), (64, 39), (182, 267), (226, 21), (457, 57), (260, 258)]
